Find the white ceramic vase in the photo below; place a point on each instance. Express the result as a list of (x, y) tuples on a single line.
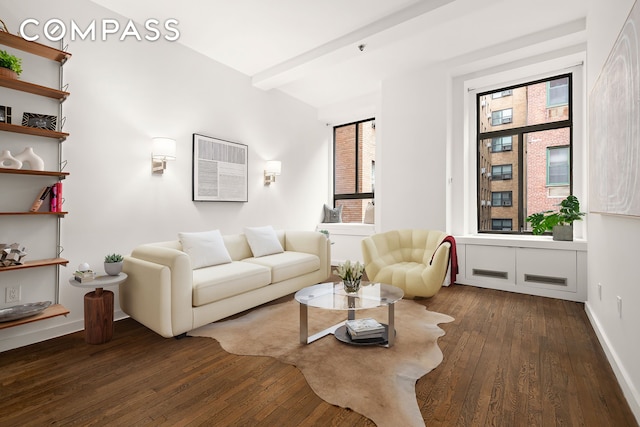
[(7, 161), (28, 156)]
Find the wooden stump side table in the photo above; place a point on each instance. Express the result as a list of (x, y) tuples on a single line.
[(98, 308)]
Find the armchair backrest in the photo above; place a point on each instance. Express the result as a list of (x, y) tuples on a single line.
[(407, 245)]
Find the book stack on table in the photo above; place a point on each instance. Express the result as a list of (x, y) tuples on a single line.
[(84, 276), (365, 330)]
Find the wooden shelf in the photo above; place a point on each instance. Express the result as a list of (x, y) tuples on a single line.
[(23, 86), (51, 311), (7, 127), (33, 213), (61, 175), (35, 48), (36, 263)]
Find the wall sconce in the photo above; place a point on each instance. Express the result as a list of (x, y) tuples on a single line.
[(163, 149), (272, 169)]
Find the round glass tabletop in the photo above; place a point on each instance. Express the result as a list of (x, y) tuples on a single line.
[(332, 296)]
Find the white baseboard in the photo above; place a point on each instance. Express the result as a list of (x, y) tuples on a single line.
[(33, 336), (628, 389)]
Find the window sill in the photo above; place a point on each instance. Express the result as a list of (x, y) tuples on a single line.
[(522, 241), (347, 228)]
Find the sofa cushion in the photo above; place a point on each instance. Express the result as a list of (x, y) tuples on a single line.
[(287, 264), (263, 240), (204, 248), (223, 281)]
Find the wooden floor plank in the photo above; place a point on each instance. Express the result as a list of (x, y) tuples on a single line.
[(509, 359)]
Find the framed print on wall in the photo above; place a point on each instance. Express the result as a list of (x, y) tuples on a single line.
[(219, 170)]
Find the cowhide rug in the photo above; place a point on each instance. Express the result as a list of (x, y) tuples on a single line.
[(376, 382)]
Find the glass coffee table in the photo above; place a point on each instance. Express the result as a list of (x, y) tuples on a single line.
[(331, 296)]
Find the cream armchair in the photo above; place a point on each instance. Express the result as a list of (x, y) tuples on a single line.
[(414, 260)]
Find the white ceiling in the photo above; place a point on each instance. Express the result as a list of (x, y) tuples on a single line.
[(309, 48)]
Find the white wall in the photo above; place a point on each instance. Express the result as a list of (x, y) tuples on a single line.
[(412, 138), (613, 241), (125, 93), (427, 163)]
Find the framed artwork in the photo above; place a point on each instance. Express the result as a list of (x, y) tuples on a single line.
[(41, 121), (219, 170), (5, 114), (614, 127)]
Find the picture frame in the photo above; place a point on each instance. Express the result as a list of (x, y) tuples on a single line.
[(220, 170), (41, 121), (5, 114)]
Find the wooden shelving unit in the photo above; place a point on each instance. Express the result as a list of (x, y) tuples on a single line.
[(36, 263), (35, 48), (51, 311), (33, 213), (61, 175), (33, 88), (61, 57), (8, 127)]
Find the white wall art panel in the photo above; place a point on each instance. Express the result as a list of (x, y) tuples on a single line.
[(614, 121)]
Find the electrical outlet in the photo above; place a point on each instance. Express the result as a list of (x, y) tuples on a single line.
[(619, 306), (12, 294)]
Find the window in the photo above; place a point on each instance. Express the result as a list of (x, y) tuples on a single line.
[(558, 92), (501, 172), (354, 148), (501, 117), (501, 144), (501, 224), (501, 198), (558, 169), (529, 160), (500, 94)]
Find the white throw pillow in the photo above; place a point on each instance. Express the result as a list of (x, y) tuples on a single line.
[(369, 214), (205, 248), (263, 240)]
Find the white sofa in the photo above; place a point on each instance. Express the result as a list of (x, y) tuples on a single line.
[(164, 292)]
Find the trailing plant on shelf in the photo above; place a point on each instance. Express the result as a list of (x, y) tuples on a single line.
[(569, 212), (10, 62)]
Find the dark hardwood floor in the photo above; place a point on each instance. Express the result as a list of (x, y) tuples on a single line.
[(509, 360)]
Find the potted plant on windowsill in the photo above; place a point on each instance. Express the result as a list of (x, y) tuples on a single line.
[(560, 222), (10, 65)]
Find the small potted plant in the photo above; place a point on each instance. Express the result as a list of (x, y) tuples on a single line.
[(113, 264), (351, 275), (10, 65), (560, 222)]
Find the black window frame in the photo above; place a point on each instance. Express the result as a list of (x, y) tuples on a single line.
[(356, 195), (519, 132)]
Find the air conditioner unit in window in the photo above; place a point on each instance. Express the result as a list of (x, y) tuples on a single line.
[(488, 174), (483, 102), (488, 144), (488, 202), (506, 176), (482, 203), (506, 120), (506, 203)]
